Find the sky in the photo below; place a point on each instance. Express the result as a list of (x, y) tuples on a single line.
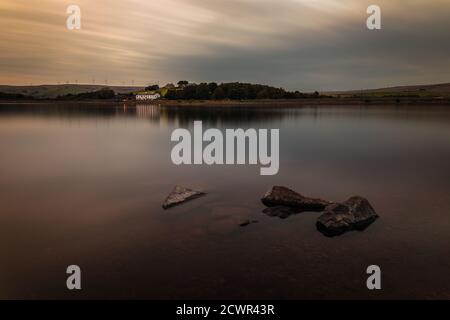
[(301, 45)]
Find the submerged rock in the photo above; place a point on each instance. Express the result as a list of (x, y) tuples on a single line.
[(282, 212), (247, 222), (354, 214), (180, 195), (282, 196)]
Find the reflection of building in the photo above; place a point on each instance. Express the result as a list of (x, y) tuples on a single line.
[(142, 97), (150, 111)]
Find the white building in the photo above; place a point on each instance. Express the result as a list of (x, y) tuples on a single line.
[(141, 97)]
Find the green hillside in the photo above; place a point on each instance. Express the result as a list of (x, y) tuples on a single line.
[(53, 91), (418, 91)]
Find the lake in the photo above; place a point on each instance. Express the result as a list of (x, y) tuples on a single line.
[(83, 184)]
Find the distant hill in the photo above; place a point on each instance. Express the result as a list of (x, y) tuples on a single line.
[(53, 91), (422, 91)]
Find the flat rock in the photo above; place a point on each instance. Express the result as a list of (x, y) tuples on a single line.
[(180, 195), (282, 196), (354, 214)]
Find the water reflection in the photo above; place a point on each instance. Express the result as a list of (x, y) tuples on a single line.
[(148, 111), (84, 184), (216, 115)]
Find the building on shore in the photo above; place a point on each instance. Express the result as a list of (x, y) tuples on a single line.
[(143, 97)]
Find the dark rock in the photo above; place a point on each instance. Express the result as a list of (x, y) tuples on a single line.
[(247, 222), (282, 212), (354, 214), (282, 196), (180, 195)]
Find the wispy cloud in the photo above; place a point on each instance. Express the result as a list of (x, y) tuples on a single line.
[(301, 44)]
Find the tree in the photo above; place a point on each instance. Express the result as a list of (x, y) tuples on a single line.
[(263, 94), (152, 87), (172, 94), (202, 91), (218, 94), (212, 86), (183, 83), (232, 90), (189, 92)]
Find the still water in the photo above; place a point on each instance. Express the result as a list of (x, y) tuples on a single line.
[(84, 184)]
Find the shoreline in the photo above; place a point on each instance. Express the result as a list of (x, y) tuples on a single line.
[(304, 102), (344, 101)]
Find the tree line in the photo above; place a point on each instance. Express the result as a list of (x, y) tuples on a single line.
[(230, 91)]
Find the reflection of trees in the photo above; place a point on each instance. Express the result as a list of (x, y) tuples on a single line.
[(81, 110), (63, 110), (254, 116), (217, 116), (178, 115)]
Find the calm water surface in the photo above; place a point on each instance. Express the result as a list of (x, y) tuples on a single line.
[(84, 184)]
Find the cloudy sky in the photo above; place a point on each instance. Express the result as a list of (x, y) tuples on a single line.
[(296, 44)]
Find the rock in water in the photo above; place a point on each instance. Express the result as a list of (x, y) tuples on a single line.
[(180, 195), (282, 196), (354, 214)]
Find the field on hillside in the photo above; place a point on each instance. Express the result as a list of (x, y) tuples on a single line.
[(419, 91), (53, 91)]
